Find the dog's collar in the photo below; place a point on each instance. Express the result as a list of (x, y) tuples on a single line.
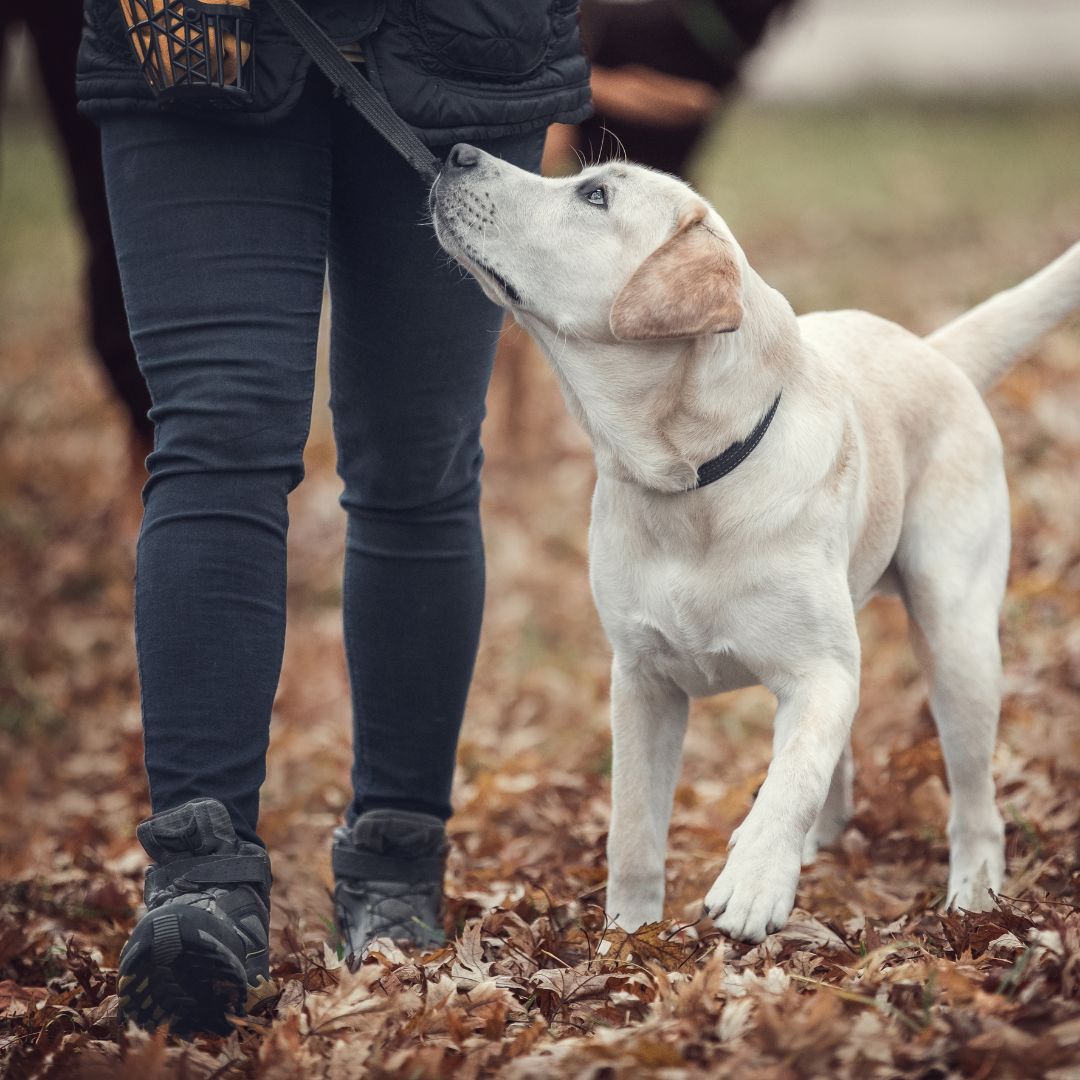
[(736, 453)]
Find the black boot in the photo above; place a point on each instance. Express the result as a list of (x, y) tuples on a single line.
[(388, 869), (200, 951)]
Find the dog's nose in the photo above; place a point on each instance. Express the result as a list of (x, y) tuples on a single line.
[(463, 156)]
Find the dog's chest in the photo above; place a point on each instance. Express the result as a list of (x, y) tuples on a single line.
[(670, 611)]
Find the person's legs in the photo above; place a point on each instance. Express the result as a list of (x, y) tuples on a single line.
[(220, 235), (411, 351)]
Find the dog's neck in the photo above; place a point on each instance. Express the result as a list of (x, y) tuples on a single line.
[(656, 411)]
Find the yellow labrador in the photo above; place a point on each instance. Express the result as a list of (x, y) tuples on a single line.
[(862, 459)]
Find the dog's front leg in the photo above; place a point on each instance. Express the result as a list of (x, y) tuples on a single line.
[(648, 723), (755, 891)]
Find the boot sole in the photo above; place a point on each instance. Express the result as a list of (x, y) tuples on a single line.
[(175, 971)]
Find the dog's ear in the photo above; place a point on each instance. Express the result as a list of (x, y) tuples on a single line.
[(687, 287)]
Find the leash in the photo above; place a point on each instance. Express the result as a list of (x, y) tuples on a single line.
[(358, 91), (736, 453)]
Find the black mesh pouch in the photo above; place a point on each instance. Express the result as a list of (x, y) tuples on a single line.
[(200, 54)]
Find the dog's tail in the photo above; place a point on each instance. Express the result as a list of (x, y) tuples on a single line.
[(985, 341)]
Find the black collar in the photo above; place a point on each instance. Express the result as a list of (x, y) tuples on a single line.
[(736, 453)]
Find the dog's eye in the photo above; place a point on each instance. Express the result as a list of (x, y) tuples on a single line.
[(598, 197)]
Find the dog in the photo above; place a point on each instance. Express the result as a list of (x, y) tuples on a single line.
[(862, 460)]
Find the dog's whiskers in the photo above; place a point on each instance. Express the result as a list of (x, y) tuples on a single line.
[(621, 145)]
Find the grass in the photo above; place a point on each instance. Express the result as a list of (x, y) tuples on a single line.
[(885, 166), (847, 187), (40, 246)]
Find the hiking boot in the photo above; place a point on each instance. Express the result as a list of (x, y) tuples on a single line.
[(388, 870), (199, 953)]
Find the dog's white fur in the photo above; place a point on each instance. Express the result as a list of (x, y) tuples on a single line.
[(881, 472)]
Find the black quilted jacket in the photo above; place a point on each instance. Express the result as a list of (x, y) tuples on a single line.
[(455, 70)]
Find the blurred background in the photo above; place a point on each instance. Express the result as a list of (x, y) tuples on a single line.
[(909, 159)]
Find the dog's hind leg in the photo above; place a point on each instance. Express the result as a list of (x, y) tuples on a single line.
[(648, 724), (836, 813), (953, 564)]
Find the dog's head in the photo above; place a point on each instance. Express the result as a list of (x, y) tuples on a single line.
[(618, 252)]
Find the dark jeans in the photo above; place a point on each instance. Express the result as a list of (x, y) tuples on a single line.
[(223, 238)]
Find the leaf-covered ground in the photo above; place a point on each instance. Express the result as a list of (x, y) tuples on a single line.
[(913, 213)]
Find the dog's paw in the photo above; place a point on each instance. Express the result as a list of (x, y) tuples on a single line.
[(976, 864), (632, 907), (972, 879), (755, 892)]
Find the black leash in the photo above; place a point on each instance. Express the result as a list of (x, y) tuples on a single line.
[(359, 93), (736, 453)]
